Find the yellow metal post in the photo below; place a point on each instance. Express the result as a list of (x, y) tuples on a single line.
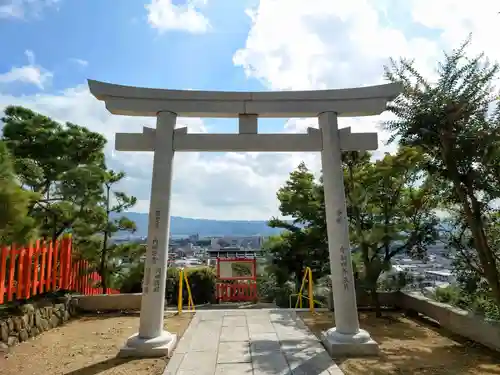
[(190, 296), (310, 291), (307, 277), (179, 297)]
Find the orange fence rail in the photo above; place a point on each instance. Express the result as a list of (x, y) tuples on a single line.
[(45, 266), (237, 292)]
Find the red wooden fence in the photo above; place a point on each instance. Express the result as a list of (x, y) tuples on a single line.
[(44, 267), (236, 292)]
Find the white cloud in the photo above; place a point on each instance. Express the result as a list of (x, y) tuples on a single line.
[(20, 9), (164, 16), (28, 74), (80, 62), (292, 44), (298, 45)]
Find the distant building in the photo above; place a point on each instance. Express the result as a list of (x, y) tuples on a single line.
[(232, 252), (441, 276)]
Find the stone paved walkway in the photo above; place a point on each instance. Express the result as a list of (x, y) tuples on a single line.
[(249, 342)]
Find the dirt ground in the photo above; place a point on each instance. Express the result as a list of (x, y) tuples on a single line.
[(411, 346), (87, 346)]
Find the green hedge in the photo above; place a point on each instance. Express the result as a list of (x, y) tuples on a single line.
[(201, 280)]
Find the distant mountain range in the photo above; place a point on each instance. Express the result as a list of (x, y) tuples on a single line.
[(183, 226)]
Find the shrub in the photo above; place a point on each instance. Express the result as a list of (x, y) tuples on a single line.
[(448, 295), (132, 281), (266, 288), (282, 295), (201, 280)]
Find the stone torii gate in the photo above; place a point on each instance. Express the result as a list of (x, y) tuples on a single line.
[(151, 340)]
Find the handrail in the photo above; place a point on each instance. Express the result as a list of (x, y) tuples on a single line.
[(307, 277), (183, 279)]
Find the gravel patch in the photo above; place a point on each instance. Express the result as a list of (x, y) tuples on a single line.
[(87, 346)]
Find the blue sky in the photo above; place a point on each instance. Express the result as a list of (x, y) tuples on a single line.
[(120, 46), (50, 47)]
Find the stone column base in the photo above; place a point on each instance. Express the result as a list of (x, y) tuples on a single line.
[(159, 346), (340, 345)]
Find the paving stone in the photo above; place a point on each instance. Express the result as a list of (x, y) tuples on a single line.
[(195, 372), (174, 363), (200, 362), (264, 347), (234, 334), (310, 361), (203, 344), (260, 328), (209, 324), (270, 363), (234, 369), (183, 345), (264, 342), (257, 314), (235, 313), (210, 315), (268, 336), (258, 320), (234, 321), (293, 346), (233, 352), (286, 316)]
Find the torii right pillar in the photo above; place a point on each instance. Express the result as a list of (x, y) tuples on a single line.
[(346, 338)]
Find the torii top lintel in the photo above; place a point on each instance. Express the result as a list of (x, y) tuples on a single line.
[(139, 101)]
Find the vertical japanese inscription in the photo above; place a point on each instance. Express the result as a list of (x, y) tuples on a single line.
[(339, 216), (156, 280), (157, 219), (343, 263), (154, 251), (147, 280), (154, 254)]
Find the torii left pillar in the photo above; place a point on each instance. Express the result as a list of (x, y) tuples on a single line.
[(152, 340)]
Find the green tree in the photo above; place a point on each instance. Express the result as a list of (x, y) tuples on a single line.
[(390, 209), (64, 165), (15, 224), (455, 121), (303, 242), (103, 220)]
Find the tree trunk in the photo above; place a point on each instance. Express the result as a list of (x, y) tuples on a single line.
[(102, 267), (376, 301), (372, 276)]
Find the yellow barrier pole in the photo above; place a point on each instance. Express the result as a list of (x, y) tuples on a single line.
[(190, 296), (299, 296), (179, 297), (311, 297)]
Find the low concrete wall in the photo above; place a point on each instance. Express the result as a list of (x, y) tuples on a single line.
[(109, 302), (458, 321)]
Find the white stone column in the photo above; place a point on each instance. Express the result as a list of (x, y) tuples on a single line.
[(152, 340), (346, 335)]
